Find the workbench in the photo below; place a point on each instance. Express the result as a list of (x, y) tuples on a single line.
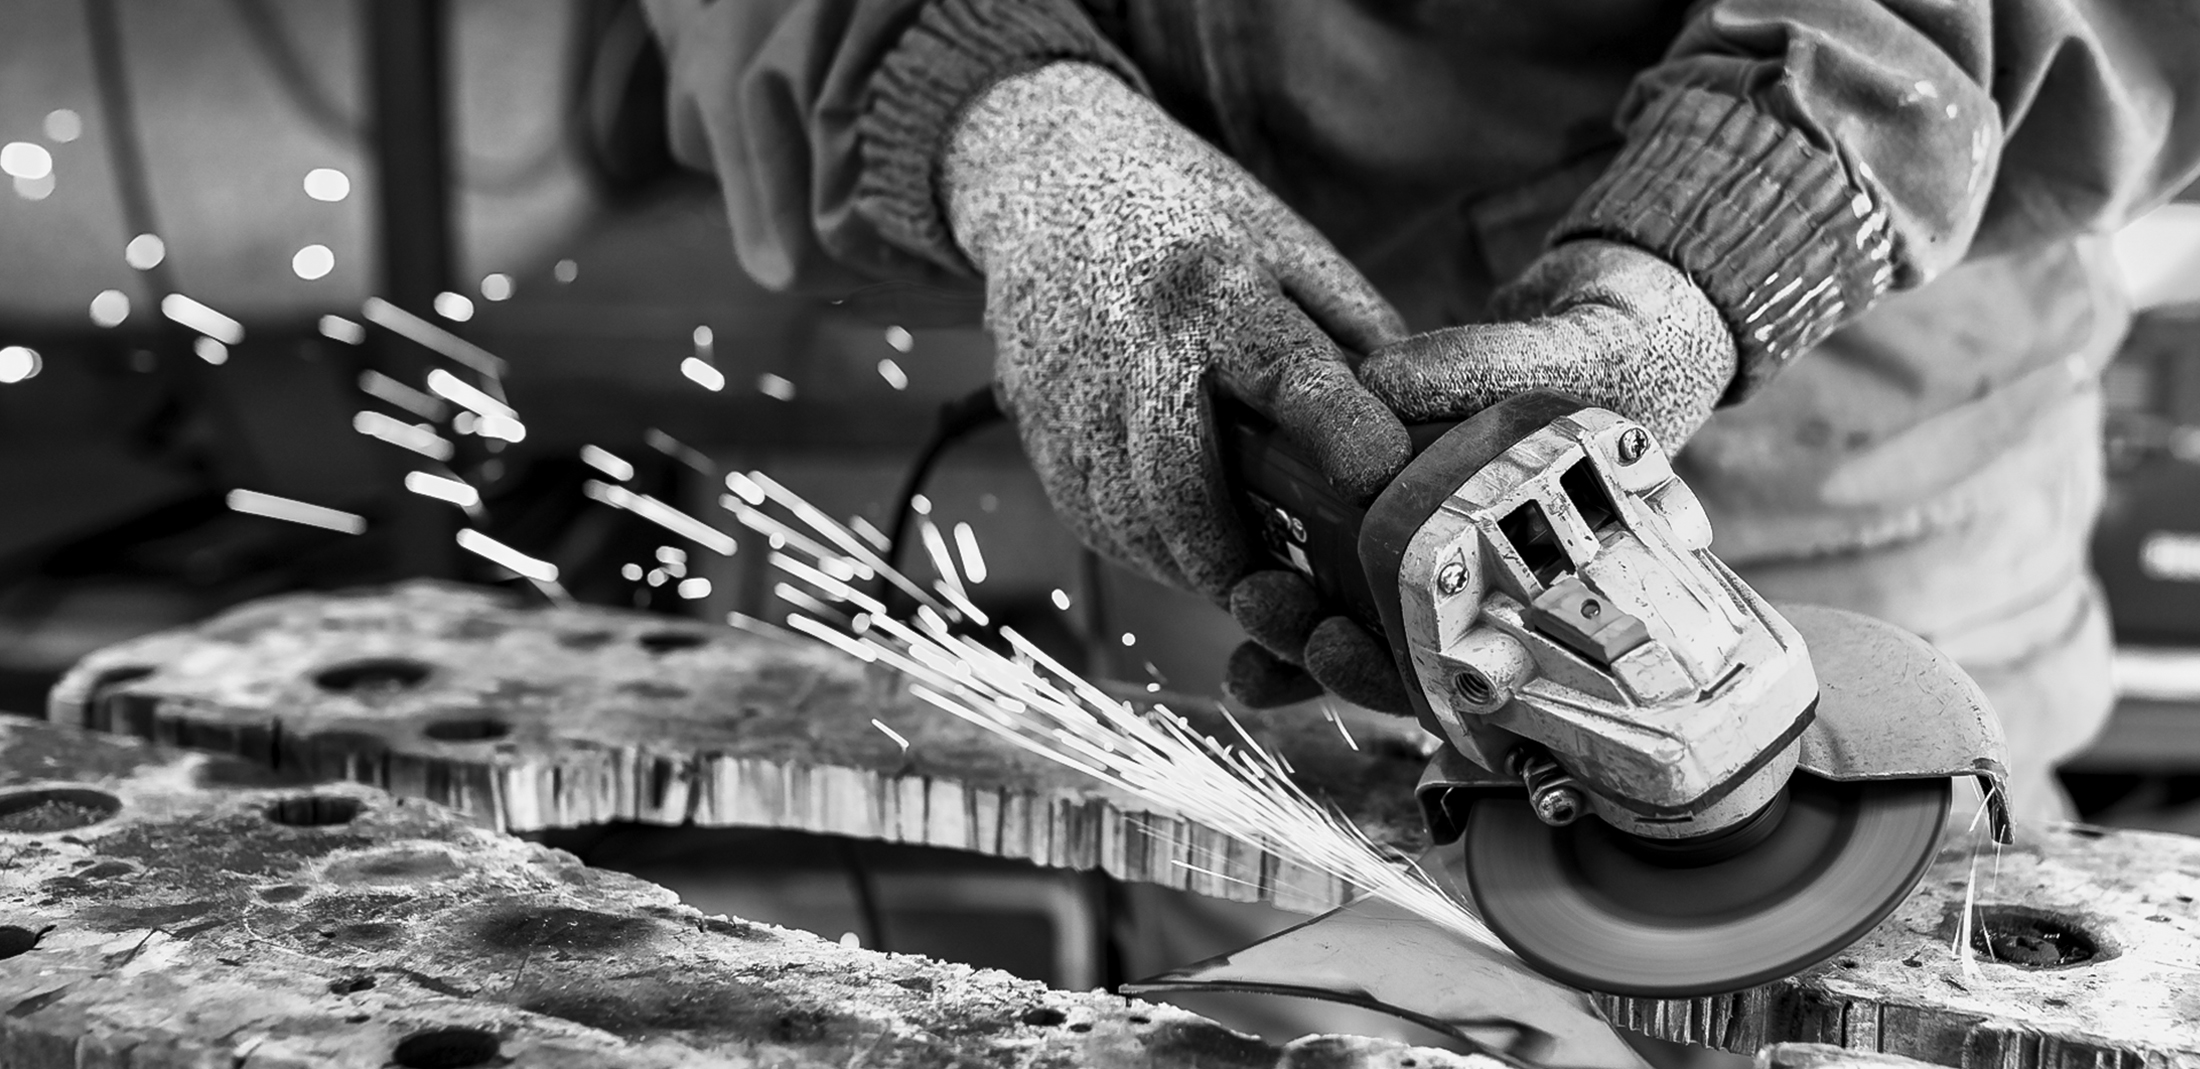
[(522, 717)]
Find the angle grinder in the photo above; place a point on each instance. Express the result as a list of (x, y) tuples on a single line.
[(1661, 784)]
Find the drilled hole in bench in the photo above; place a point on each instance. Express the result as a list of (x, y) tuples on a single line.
[(374, 677), (2031, 939), (446, 1048), (668, 641), (467, 729), (314, 810), (15, 939), (55, 809)]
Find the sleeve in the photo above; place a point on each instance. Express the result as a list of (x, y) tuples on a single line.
[(823, 119), (1798, 158)]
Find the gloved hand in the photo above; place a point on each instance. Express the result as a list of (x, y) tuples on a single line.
[(1126, 263), (1608, 322)]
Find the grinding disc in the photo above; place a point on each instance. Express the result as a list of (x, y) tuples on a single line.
[(1586, 904)]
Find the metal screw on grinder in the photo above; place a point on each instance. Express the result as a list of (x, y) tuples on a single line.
[(1551, 791), (1633, 444), (1451, 578)]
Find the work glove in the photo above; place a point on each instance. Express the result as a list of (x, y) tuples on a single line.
[(1607, 322), (1129, 268)]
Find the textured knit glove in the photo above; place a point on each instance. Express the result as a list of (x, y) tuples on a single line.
[(1127, 264), (1607, 322)]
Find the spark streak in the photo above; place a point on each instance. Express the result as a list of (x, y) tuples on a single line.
[(661, 514), (200, 318), (434, 338), (255, 503), (420, 438)]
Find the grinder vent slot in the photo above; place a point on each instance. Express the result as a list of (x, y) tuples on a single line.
[(1529, 531), (1586, 491)]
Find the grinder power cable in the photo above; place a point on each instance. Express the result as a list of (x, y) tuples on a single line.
[(1654, 782)]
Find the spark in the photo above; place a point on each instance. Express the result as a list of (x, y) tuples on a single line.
[(921, 505), (64, 125), (211, 351), (893, 374), (1060, 598), (950, 583), (693, 589), (145, 252), (496, 286), (565, 270), (19, 362), (702, 374), (327, 184), (973, 561), (890, 733), (337, 328), (1329, 712), (443, 343), (870, 533), (419, 438), (1129, 639), (901, 340), (671, 555), (504, 556), (1031, 701), (313, 262), (382, 387), (605, 461), (703, 339), (454, 306), (851, 941), (110, 308), (255, 503), (466, 395), (200, 318), (26, 161), (455, 491), (775, 387), (34, 188), (661, 514), (631, 572)]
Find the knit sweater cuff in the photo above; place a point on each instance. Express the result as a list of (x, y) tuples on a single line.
[(1773, 229), (952, 54)]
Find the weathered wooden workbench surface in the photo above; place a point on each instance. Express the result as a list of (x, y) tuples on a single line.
[(162, 910), (536, 718)]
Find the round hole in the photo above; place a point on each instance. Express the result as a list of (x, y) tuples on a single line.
[(15, 940), (668, 641), (2032, 939), (314, 810), (374, 677), (1474, 687), (55, 809), (446, 1048), (467, 729)]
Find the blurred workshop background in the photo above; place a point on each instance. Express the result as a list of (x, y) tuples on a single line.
[(493, 175)]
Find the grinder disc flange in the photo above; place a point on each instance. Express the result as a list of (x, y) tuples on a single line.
[(1587, 906)]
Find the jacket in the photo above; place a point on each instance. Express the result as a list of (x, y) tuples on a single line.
[(1910, 192)]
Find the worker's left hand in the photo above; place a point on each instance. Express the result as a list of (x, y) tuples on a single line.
[(1607, 322)]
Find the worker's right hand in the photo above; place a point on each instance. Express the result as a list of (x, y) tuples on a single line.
[(1128, 265)]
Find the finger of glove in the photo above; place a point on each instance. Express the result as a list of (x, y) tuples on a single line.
[(1344, 658), (1277, 609), (1332, 292), (1294, 373), (1258, 679), (1458, 371)]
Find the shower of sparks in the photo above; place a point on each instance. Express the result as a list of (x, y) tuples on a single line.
[(661, 514), (443, 489), (255, 503), (607, 462), (337, 328), (200, 318), (1031, 701), (384, 388), (417, 437), (443, 343), (890, 733)]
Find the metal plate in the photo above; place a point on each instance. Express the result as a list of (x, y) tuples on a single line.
[(1582, 907)]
